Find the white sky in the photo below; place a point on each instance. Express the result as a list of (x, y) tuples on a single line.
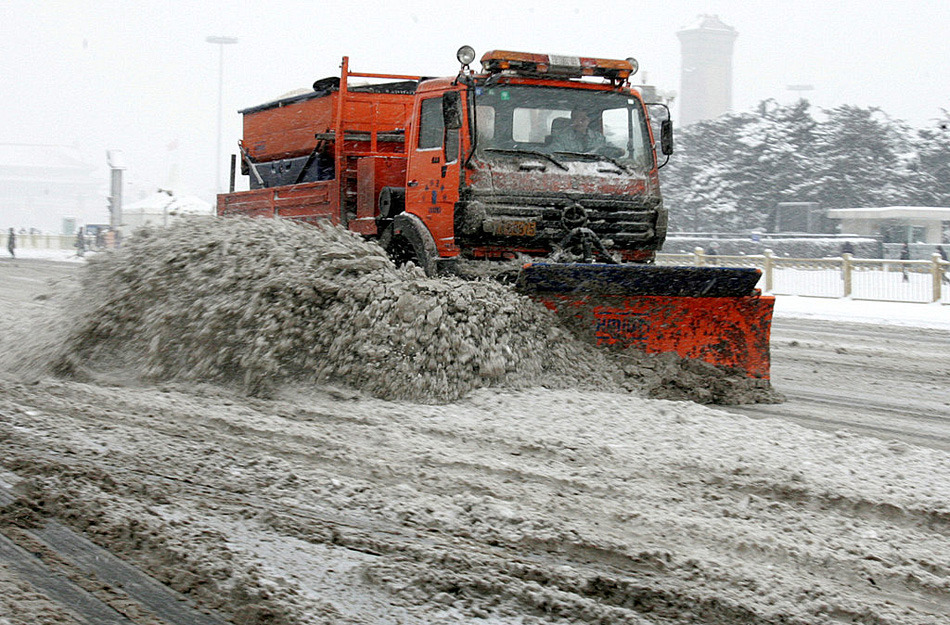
[(139, 76)]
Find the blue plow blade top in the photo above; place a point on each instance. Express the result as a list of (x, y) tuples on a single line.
[(604, 279)]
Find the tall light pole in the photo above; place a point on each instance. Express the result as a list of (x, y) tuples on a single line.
[(221, 41), (117, 166)]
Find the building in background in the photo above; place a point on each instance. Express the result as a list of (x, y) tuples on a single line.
[(42, 184), (161, 209), (896, 224), (802, 218), (706, 74)]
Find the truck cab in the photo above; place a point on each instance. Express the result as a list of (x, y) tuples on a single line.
[(533, 154), (514, 159)]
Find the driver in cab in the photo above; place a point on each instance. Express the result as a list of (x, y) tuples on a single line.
[(578, 136)]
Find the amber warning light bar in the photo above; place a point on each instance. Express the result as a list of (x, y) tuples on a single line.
[(568, 66)]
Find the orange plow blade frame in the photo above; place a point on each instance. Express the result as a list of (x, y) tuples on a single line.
[(710, 314)]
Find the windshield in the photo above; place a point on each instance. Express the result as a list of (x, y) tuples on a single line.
[(565, 123)]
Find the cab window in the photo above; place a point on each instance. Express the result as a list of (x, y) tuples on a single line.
[(430, 124), (432, 132)]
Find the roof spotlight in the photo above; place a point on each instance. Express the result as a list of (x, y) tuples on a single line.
[(634, 65), (465, 55)]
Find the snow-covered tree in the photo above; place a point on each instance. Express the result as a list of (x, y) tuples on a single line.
[(933, 161), (778, 161), (864, 158), (730, 173), (701, 189)]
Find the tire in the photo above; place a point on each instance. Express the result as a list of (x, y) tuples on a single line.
[(408, 239), (399, 248)]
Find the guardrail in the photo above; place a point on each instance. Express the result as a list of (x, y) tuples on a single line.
[(40, 241), (836, 277), (845, 276)]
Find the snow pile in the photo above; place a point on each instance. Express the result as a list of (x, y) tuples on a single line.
[(259, 302)]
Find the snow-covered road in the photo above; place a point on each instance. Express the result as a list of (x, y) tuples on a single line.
[(322, 505), (889, 381)]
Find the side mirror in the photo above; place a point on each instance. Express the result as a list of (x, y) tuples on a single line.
[(666, 137), (452, 110)]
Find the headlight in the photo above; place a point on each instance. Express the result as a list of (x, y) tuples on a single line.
[(465, 55)]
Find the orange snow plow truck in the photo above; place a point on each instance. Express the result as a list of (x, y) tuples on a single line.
[(549, 159)]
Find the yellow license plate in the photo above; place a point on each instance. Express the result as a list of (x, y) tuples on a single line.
[(516, 228)]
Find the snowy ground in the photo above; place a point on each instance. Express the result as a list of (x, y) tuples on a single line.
[(26, 253), (935, 316), (322, 505)]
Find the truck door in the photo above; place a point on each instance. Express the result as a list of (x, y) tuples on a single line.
[(432, 185)]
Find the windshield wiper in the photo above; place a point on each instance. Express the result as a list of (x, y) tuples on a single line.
[(537, 153), (593, 156)]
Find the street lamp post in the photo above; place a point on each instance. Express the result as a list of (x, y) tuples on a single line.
[(221, 42)]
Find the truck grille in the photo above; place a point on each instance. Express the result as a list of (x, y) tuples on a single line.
[(629, 223)]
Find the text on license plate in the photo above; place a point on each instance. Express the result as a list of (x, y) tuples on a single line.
[(516, 228)]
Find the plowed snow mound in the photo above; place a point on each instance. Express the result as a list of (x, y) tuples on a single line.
[(258, 302)]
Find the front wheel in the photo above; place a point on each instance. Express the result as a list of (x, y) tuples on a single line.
[(408, 239), (402, 250), (398, 247)]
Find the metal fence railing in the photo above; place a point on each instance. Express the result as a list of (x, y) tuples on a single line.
[(41, 241), (844, 276), (46, 241)]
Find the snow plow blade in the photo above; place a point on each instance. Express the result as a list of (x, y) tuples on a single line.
[(714, 314)]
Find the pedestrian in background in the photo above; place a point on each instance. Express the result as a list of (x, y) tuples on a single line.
[(943, 271), (905, 255), (11, 243), (80, 242)]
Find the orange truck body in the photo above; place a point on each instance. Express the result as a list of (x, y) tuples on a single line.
[(366, 130), (385, 160)]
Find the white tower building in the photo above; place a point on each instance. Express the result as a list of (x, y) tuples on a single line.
[(706, 79)]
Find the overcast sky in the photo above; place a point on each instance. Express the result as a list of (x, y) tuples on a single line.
[(140, 77)]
